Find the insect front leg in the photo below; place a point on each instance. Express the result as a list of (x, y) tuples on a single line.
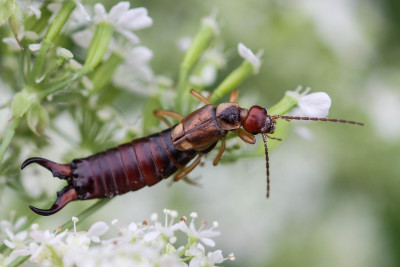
[(161, 114)]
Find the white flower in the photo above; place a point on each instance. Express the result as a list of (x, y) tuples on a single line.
[(35, 47), (64, 53), (212, 60), (167, 230), (248, 55), (123, 19), (211, 21), (137, 61), (203, 235), (310, 105), (184, 43), (139, 244), (78, 15), (200, 259), (35, 11), (97, 229), (135, 73)]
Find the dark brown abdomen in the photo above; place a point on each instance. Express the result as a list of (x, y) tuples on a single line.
[(129, 167)]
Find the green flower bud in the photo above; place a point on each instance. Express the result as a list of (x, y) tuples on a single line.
[(37, 118), (99, 45), (22, 102), (7, 9)]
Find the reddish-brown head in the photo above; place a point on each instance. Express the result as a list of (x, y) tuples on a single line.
[(258, 121)]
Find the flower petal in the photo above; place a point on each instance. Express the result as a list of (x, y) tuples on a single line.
[(100, 13), (151, 236), (9, 244), (98, 229), (315, 104), (129, 35), (118, 10), (248, 55), (208, 242)]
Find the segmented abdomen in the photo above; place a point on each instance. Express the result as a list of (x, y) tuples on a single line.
[(128, 167)]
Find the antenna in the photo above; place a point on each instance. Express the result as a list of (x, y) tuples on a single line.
[(314, 119), (267, 161)]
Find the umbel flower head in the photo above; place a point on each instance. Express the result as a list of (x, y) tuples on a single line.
[(150, 243)]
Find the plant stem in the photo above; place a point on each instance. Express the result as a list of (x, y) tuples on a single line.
[(8, 136), (103, 74), (64, 83), (54, 29), (18, 261), (86, 213), (235, 78)]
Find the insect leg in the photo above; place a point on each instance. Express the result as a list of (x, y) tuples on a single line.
[(199, 96), (188, 169), (220, 152), (273, 138), (246, 137), (161, 114), (234, 96)]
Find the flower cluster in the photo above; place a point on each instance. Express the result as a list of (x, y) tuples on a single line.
[(149, 243)]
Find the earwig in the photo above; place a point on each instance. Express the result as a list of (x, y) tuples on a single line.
[(148, 160)]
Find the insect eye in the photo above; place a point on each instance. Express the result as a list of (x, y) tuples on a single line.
[(264, 111), (254, 132)]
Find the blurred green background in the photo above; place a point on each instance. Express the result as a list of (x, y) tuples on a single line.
[(335, 199)]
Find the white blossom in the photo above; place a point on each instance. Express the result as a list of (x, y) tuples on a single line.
[(64, 53), (211, 21), (248, 55), (35, 47), (78, 16), (123, 19), (139, 244), (204, 235), (310, 105)]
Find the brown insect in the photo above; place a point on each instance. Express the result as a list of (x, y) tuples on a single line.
[(148, 160)]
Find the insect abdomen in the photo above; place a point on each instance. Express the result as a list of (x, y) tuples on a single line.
[(129, 167)]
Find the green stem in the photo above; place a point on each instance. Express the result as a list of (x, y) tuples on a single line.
[(103, 74), (8, 136), (283, 106), (86, 213), (233, 80), (54, 29), (98, 45), (39, 63), (191, 242), (64, 83), (199, 44), (60, 20), (18, 261)]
